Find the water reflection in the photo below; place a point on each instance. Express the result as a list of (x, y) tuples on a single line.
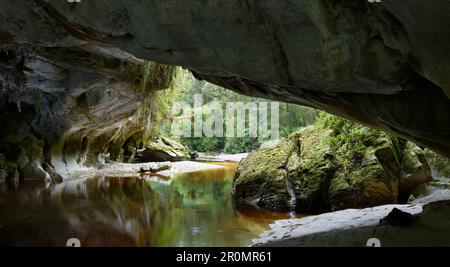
[(192, 209)]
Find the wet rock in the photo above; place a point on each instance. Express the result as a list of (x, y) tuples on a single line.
[(262, 179), (411, 199), (368, 173), (398, 217), (193, 154), (439, 164), (52, 172), (66, 106), (425, 224), (29, 161), (163, 149), (415, 169), (433, 195), (103, 159), (332, 165), (34, 171), (311, 169)]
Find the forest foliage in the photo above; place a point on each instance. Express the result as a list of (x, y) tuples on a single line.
[(184, 87)]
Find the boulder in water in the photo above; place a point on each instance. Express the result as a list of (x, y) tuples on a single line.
[(163, 149), (331, 165)]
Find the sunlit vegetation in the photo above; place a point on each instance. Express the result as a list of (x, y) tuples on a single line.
[(185, 87)]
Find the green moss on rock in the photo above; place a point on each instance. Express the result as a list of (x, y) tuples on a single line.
[(415, 169), (333, 164), (261, 178), (368, 167), (440, 165), (314, 170), (366, 184)]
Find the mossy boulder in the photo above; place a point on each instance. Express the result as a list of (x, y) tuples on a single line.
[(331, 165), (439, 165), (290, 175), (369, 168), (163, 149), (440, 169), (261, 178), (415, 169), (311, 170)]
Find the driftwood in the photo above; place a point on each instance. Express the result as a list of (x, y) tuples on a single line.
[(155, 170)]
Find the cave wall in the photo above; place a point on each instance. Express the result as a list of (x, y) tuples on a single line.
[(62, 107), (384, 64)]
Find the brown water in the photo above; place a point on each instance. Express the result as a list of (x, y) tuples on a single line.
[(192, 209)]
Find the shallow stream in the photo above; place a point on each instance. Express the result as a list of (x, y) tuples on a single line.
[(192, 209)]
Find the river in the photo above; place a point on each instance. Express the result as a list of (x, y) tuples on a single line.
[(191, 209)]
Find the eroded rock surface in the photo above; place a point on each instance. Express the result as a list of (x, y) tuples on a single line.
[(63, 107), (384, 64), (422, 224)]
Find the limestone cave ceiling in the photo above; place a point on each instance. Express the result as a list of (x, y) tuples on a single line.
[(385, 64)]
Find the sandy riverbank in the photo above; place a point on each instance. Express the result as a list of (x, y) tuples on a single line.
[(221, 157), (117, 169)]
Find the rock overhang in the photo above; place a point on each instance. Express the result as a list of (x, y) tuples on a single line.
[(383, 64)]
